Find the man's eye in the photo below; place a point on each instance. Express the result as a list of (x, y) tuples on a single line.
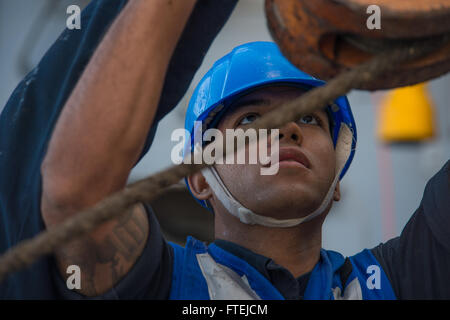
[(309, 119), (248, 119)]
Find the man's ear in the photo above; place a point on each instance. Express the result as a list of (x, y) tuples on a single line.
[(199, 187), (337, 192)]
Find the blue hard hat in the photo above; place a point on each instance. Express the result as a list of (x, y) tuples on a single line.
[(249, 67)]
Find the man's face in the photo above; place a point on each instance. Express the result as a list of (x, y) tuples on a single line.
[(297, 189)]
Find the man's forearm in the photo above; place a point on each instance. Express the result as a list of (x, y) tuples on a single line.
[(100, 134), (103, 126)]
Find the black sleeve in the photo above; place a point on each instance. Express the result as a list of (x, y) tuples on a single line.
[(149, 278), (418, 262)]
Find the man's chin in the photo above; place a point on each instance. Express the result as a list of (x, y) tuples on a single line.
[(283, 207)]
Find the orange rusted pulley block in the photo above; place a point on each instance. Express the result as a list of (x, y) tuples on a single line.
[(325, 37)]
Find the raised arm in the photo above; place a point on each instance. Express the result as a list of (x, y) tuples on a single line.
[(100, 135), (417, 262)]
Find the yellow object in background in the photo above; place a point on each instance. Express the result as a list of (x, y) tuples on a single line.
[(406, 115)]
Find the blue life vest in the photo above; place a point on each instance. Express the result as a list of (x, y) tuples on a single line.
[(209, 272)]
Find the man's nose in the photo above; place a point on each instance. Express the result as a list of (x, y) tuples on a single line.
[(291, 132)]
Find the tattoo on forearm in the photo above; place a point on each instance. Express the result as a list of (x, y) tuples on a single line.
[(128, 235), (115, 255)]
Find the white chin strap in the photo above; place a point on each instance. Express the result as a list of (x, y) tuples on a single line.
[(343, 149)]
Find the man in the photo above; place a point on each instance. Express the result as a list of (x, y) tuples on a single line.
[(268, 229)]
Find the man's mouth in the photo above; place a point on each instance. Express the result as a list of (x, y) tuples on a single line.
[(293, 157)]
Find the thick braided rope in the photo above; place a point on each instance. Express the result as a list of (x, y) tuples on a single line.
[(28, 251)]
